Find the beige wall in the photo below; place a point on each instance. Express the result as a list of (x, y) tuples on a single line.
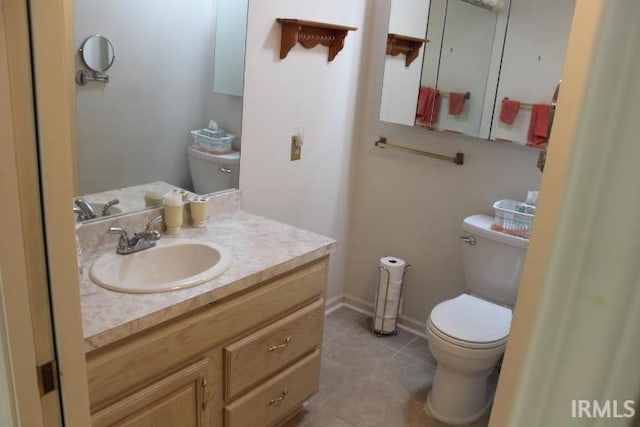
[(412, 207), (303, 90)]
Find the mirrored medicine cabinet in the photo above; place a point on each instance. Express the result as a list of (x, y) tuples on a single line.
[(478, 55)]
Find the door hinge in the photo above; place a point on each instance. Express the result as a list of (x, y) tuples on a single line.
[(48, 377)]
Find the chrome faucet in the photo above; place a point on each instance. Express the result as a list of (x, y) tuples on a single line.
[(140, 241), (84, 209)]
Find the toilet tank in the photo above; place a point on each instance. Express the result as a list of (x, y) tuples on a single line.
[(492, 265), (213, 172)]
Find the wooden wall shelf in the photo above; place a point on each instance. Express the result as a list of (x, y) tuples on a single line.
[(310, 34), (409, 46)]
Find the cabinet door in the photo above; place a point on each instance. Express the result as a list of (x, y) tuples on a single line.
[(532, 61), (181, 399), (231, 34)]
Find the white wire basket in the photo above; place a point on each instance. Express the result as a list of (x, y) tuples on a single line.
[(212, 141), (508, 219)]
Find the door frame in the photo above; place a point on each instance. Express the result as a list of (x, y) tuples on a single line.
[(38, 278), (574, 333), (543, 302), (14, 283)]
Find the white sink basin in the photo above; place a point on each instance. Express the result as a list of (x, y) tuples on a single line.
[(171, 265)]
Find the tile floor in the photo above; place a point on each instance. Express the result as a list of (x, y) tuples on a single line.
[(368, 381)]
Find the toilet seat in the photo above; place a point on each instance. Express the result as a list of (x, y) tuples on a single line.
[(437, 333), (470, 322)]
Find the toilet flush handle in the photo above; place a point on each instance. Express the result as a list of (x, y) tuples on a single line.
[(469, 240), (225, 170)]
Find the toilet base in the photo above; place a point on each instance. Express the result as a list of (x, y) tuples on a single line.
[(456, 421), (491, 382)]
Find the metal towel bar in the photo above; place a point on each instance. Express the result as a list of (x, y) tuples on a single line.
[(529, 106), (467, 95), (382, 143)]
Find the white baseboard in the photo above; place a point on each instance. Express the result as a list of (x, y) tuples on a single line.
[(332, 304), (409, 324)]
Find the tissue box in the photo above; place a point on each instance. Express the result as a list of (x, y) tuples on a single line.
[(212, 141), (508, 220)]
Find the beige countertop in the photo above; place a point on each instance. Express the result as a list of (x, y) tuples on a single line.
[(261, 249)]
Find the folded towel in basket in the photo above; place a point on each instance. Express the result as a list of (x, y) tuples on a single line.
[(526, 208)]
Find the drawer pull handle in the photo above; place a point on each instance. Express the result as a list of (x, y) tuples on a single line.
[(278, 401), (286, 342)]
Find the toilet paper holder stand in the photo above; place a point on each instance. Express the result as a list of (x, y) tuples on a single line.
[(380, 332)]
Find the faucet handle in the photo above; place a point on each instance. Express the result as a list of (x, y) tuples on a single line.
[(117, 230), (152, 235), (124, 237), (107, 206), (154, 221)]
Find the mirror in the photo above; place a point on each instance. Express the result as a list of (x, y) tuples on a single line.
[(134, 134), (97, 53), (230, 44), (464, 35), (482, 57)]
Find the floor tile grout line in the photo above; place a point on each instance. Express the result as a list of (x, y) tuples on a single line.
[(417, 359), (342, 419), (409, 343), (396, 350), (347, 327)]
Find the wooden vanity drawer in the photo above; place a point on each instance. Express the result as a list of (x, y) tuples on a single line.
[(277, 397), (270, 349), (128, 365)]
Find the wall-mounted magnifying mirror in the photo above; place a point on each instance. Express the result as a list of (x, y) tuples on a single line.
[(98, 55)]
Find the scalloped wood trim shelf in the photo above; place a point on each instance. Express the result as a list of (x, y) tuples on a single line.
[(409, 46), (310, 34)]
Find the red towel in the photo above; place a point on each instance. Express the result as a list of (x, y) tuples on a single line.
[(428, 105), (456, 103), (539, 126), (509, 111)]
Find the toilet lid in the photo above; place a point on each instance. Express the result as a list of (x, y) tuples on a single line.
[(471, 319)]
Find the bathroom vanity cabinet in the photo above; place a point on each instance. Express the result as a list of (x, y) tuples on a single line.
[(249, 359)]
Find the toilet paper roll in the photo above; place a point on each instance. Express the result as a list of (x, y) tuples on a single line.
[(395, 266), (389, 291), (392, 273)]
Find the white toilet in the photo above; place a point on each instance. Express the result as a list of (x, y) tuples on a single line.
[(213, 172), (468, 334)]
